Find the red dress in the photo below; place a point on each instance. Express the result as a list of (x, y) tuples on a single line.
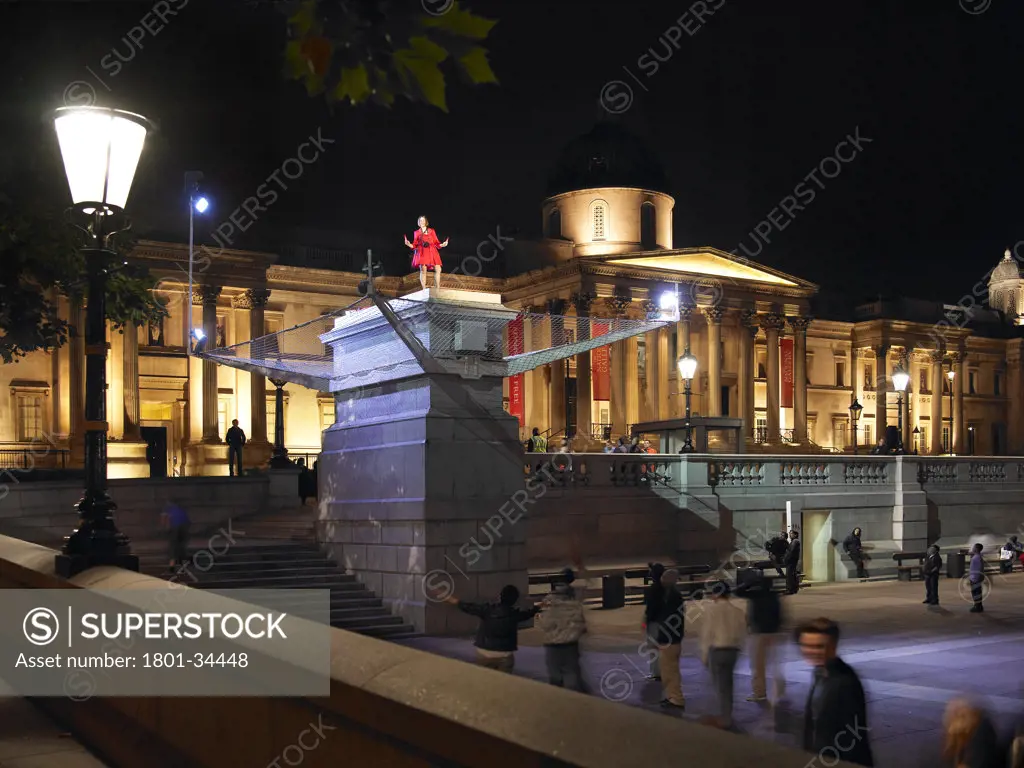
[(425, 248)]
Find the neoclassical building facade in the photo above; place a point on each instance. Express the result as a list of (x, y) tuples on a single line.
[(764, 356)]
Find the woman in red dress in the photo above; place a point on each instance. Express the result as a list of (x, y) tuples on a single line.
[(425, 247)]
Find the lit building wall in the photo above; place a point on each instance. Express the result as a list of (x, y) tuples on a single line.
[(608, 220)]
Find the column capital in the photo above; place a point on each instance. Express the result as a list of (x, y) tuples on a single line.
[(205, 295), (799, 323), (957, 358), (685, 313), (619, 305), (649, 307), (748, 320), (582, 301), (714, 315), (880, 350), (937, 356), (773, 322), (258, 297)]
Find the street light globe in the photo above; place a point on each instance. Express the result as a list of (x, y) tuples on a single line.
[(668, 301), (687, 365), (101, 149), (855, 409), (900, 379), (201, 205), (951, 374)]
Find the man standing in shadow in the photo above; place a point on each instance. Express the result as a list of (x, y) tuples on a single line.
[(792, 561), (235, 439)]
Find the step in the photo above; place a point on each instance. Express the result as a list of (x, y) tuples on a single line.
[(389, 632), (359, 623), (284, 579), (305, 566)]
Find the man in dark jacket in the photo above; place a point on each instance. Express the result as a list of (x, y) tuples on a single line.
[(235, 438), (497, 638), (976, 575), (792, 561), (654, 595), (764, 617), (854, 548), (835, 718), (670, 620), (931, 569)]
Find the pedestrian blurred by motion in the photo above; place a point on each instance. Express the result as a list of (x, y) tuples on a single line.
[(671, 627), (723, 631), (835, 716), (654, 595), (977, 578), (563, 624), (764, 618), (932, 570), (176, 523), (969, 738)]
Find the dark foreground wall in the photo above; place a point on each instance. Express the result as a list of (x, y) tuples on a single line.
[(389, 706)]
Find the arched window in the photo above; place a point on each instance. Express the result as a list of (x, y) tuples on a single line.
[(648, 226), (555, 224), (599, 215)]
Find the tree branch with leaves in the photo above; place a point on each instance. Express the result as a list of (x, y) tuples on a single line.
[(360, 51)]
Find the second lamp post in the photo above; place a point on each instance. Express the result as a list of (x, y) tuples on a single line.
[(687, 365)]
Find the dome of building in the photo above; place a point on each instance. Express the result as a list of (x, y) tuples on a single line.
[(1006, 270), (607, 156)]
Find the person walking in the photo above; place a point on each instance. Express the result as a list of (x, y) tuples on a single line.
[(722, 633), (764, 618), (977, 578), (176, 523), (654, 596), (835, 716), (562, 623), (855, 549), (969, 737), (235, 438), (670, 622), (497, 637), (931, 570), (792, 562)]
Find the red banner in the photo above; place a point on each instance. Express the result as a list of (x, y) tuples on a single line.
[(786, 353), (600, 369), (515, 383)]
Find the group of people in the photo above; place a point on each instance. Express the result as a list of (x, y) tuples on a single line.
[(784, 553)]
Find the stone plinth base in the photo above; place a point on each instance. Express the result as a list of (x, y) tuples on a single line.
[(284, 488), (67, 566), (126, 458), (418, 489)]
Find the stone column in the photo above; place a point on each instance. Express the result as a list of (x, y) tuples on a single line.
[(537, 399), (714, 399), (665, 367), (619, 353), (632, 380), (959, 428), (76, 377), (584, 392), (1014, 396), (881, 390), (651, 377), (257, 298), (130, 354), (773, 324), (210, 430), (799, 325), (556, 391), (745, 374), (936, 415)]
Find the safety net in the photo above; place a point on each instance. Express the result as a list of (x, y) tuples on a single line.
[(358, 345)]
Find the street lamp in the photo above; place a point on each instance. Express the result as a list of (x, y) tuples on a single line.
[(900, 379), (197, 203), (687, 365), (917, 439), (855, 409), (100, 148), (950, 374)]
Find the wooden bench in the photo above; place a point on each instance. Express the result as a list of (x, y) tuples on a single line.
[(906, 572), (691, 571)]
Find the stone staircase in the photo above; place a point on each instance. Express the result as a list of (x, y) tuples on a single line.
[(279, 551)]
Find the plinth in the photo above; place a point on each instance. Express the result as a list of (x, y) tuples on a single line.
[(421, 476)]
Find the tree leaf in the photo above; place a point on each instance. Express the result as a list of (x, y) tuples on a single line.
[(477, 67), (304, 19), (295, 62), (461, 23), (354, 85), (420, 62), (317, 51)]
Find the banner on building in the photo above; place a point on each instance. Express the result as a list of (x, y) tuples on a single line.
[(600, 369), (516, 405), (786, 353)]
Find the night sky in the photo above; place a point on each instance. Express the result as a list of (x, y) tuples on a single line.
[(746, 107)]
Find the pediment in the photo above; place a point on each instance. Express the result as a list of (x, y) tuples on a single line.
[(707, 263)]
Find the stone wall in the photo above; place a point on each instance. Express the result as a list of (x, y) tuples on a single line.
[(389, 705)]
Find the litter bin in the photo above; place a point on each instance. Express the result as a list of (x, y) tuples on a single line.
[(613, 591), (955, 564)]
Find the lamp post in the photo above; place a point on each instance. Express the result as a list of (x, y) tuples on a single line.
[(951, 375), (900, 379), (194, 340), (687, 365), (100, 148), (855, 409), (917, 439)]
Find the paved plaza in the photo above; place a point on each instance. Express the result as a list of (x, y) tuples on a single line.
[(29, 739), (911, 658)]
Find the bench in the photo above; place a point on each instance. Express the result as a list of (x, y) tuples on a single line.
[(691, 571), (906, 572)]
